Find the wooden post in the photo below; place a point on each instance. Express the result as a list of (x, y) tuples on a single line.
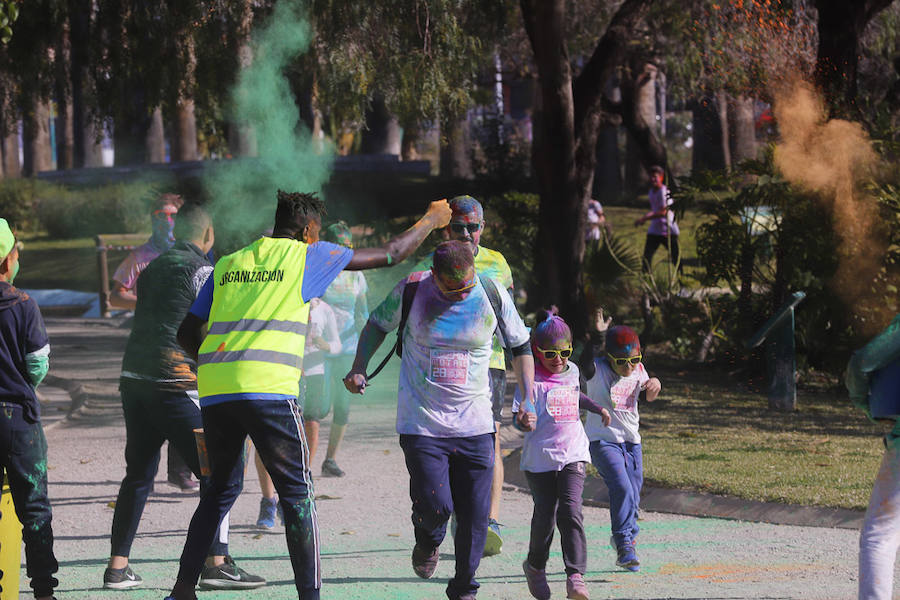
[(103, 268)]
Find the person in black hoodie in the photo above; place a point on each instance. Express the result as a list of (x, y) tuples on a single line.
[(24, 353)]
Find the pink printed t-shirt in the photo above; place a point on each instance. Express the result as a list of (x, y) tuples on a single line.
[(558, 438)]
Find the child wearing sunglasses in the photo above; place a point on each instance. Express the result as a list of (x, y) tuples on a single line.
[(554, 455), (617, 381)]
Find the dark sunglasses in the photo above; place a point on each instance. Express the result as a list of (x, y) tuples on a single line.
[(550, 354), (463, 227), (621, 362)]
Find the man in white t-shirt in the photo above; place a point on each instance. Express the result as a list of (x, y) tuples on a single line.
[(444, 413)]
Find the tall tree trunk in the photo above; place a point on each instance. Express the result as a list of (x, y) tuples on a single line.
[(840, 26), (608, 174), (725, 127), (382, 133), (564, 153), (408, 145), (639, 116), (455, 156), (707, 150), (155, 142), (65, 144), (184, 146), (743, 140), (9, 132), (36, 137), (12, 167), (241, 136), (91, 147)]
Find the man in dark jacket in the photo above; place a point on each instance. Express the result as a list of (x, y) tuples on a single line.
[(159, 398), (24, 354)]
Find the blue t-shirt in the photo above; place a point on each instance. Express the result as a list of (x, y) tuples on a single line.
[(324, 261)]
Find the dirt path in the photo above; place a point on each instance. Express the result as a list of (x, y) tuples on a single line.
[(366, 533)]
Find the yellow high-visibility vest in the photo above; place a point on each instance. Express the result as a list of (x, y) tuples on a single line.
[(257, 324)]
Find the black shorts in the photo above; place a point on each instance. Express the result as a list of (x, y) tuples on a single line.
[(497, 378)]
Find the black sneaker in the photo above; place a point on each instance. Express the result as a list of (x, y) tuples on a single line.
[(331, 469), (424, 562), (121, 579), (229, 576)]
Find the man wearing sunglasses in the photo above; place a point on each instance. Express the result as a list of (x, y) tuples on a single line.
[(444, 413), (467, 225)]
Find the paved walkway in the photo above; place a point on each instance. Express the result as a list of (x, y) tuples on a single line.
[(366, 532)]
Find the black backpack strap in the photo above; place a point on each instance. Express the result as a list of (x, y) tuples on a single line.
[(409, 292), (493, 294)]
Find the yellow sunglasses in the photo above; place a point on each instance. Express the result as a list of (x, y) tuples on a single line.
[(621, 362), (551, 354)]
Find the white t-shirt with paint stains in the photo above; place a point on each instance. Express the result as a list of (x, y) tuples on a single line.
[(558, 438), (444, 388), (619, 395)]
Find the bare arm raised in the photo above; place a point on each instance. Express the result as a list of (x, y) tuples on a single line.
[(400, 247)]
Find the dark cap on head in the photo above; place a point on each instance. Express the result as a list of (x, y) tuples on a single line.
[(453, 259)]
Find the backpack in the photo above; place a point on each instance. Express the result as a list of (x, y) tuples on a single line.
[(409, 293)]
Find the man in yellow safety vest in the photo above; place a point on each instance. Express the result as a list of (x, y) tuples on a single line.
[(256, 308)]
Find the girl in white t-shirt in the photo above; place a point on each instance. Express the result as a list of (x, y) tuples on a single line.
[(554, 455), (617, 381)]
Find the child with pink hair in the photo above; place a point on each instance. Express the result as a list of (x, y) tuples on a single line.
[(554, 455)]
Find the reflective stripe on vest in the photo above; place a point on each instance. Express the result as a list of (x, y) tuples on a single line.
[(257, 325), (257, 322)]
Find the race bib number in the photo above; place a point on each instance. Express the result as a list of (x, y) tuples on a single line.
[(562, 404), (624, 394), (450, 366)]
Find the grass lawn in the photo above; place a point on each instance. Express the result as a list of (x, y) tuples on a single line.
[(710, 434), (622, 220)]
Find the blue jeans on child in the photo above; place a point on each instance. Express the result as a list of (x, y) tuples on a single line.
[(23, 456), (449, 475), (622, 467), (276, 429)]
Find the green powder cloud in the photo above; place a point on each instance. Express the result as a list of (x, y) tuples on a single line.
[(242, 192)]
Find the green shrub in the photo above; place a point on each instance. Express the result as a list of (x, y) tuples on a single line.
[(118, 208), (17, 201)]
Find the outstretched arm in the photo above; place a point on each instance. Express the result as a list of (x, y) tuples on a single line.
[(587, 403), (369, 341), (397, 249)]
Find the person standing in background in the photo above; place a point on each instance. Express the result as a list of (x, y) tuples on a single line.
[(663, 230)]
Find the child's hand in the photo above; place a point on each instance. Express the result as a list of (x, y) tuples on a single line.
[(652, 387), (599, 323), (526, 420), (604, 414)]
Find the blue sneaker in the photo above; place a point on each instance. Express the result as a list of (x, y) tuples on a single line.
[(267, 509), (627, 558)]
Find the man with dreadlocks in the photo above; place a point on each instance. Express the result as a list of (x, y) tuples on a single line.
[(256, 309)]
